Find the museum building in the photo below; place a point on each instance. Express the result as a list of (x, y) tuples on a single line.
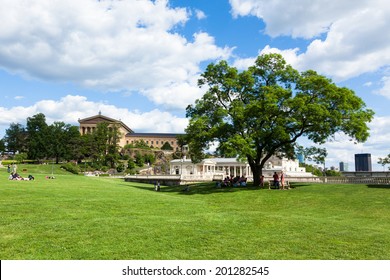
[(128, 136)]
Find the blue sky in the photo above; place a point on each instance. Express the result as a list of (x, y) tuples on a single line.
[(139, 60)]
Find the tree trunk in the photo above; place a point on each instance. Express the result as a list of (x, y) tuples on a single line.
[(257, 171)]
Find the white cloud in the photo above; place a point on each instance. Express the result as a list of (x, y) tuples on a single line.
[(200, 14), (368, 84), (302, 18), (356, 38), (385, 90), (73, 107), (175, 95), (111, 45), (290, 55)]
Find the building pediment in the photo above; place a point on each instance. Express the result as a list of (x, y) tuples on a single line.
[(100, 118)]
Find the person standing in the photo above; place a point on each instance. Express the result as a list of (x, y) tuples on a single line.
[(282, 179), (262, 181), (276, 180), (14, 168)]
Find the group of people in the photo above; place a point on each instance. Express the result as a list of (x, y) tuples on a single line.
[(12, 169), (233, 181), (279, 182), (15, 176)]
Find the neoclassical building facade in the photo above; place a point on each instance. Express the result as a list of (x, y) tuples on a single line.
[(211, 167), (128, 136)]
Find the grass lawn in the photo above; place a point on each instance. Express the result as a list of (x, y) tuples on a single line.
[(76, 217)]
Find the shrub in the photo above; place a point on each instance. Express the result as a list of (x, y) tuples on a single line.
[(120, 167), (130, 171), (71, 167)]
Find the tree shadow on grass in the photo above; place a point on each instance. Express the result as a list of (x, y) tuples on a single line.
[(200, 188), (379, 186)]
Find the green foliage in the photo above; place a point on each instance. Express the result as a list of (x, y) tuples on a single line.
[(167, 147), (15, 138), (139, 159), (71, 167), (125, 157), (2, 146), (102, 146), (131, 164), (20, 158), (149, 158), (120, 167), (313, 170), (384, 161), (332, 173), (138, 144), (265, 109), (63, 142), (37, 140), (130, 171)]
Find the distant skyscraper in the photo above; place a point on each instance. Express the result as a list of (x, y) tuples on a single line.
[(363, 162), (301, 158), (343, 166)]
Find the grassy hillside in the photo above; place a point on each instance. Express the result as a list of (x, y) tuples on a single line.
[(77, 217)]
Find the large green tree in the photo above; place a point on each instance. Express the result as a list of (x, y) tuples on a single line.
[(265, 109)]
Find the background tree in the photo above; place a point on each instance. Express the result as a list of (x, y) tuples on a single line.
[(63, 142), (318, 155), (37, 139), (74, 148), (101, 146), (384, 161), (2, 146), (15, 138), (112, 152), (56, 143), (264, 110), (21, 157)]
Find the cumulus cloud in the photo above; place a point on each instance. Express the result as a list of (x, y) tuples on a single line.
[(73, 107), (385, 90), (200, 14), (344, 40), (111, 45), (302, 18)]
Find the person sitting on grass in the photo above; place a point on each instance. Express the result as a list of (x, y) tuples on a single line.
[(242, 181), (236, 181), (226, 182)]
